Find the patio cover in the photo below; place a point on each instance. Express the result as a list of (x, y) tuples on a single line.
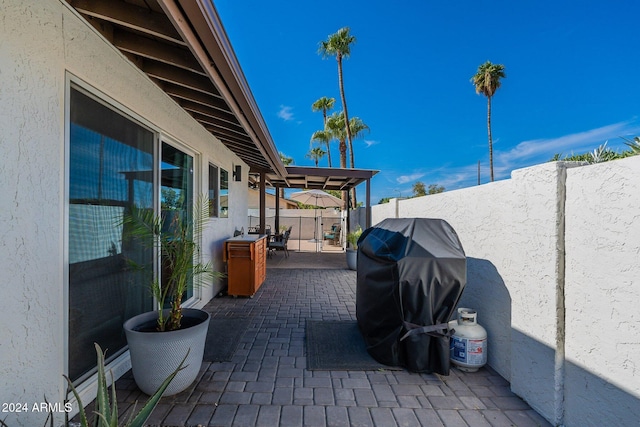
[(182, 46)]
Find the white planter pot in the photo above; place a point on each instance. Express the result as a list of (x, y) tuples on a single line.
[(352, 259), (155, 355)]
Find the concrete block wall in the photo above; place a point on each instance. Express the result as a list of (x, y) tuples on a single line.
[(554, 237), (602, 294)]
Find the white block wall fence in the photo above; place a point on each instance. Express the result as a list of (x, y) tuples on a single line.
[(554, 272)]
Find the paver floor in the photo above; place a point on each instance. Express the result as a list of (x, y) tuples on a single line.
[(267, 383)]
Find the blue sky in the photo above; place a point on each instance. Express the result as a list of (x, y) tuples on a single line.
[(573, 81)]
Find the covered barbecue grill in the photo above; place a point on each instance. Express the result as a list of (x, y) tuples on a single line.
[(411, 274)]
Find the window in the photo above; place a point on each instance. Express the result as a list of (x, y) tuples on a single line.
[(176, 192), (111, 167), (224, 193), (213, 191)]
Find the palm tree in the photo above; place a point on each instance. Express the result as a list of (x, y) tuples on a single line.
[(487, 82), (323, 104), (339, 45), (316, 154), (338, 130), (323, 137), (358, 127), (286, 160)]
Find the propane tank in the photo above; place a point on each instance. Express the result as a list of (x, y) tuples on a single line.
[(468, 345)]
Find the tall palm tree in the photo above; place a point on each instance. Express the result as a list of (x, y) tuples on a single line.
[(316, 154), (487, 81), (323, 104), (339, 45)]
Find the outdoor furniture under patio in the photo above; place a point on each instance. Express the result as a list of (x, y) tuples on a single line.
[(256, 230), (279, 242), (333, 234)]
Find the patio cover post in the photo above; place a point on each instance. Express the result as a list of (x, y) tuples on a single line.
[(368, 206), (348, 223), (263, 196), (277, 219)]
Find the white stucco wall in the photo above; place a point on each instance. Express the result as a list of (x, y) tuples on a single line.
[(520, 280), (603, 294), (31, 194), (42, 42)]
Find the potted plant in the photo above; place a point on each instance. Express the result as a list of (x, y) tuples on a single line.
[(352, 249), (160, 339)]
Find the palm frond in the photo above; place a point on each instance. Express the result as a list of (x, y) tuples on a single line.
[(337, 44), (633, 144)]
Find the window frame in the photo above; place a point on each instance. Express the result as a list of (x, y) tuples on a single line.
[(223, 210), (214, 202)]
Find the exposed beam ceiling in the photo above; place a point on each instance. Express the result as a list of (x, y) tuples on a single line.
[(146, 35)]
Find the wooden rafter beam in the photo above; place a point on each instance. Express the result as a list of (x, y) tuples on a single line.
[(179, 77), (158, 51), (224, 118), (130, 16)]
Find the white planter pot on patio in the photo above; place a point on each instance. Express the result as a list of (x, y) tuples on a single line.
[(352, 259), (155, 355)]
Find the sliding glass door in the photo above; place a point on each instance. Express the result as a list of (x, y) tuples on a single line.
[(111, 168), (114, 163), (176, 191)]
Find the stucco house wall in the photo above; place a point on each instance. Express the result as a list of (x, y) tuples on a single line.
[(552, 257), (44, 45)]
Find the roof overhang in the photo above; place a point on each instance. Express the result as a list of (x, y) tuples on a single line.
[(182, 46)]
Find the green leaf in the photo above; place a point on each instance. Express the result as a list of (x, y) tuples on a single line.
[(83, 416), (102, 399)]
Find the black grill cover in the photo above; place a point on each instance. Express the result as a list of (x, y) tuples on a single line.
[(411, 273)]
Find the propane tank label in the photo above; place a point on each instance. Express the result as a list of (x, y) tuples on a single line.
[(472, 352)]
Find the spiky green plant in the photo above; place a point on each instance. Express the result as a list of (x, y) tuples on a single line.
[(106, 413)]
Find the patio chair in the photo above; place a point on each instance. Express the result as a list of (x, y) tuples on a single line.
[(333, 234), (279, 242)]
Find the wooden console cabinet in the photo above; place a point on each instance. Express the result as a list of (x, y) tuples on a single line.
[(246, 258)]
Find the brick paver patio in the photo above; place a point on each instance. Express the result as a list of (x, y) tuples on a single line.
[(267, 383)]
